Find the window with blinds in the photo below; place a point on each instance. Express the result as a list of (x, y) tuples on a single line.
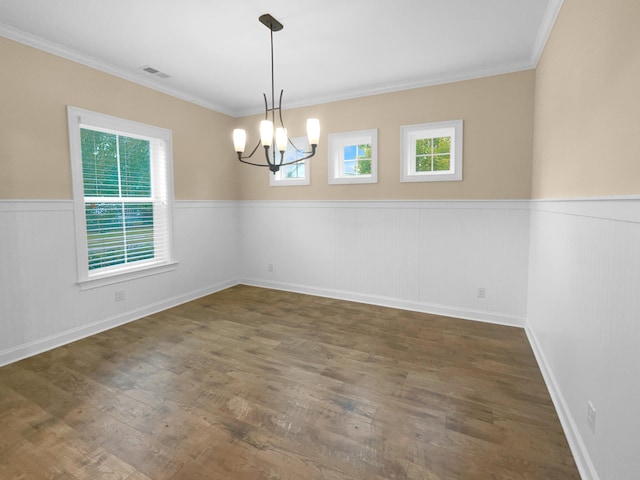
[(122, 190)]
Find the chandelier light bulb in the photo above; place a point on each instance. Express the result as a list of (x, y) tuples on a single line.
[(239, 139), (281, 139), (313, 131), (266, 133)]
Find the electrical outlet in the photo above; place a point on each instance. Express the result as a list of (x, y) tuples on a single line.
[(591, 417), (270, 267), (482, 292), (120, 296)]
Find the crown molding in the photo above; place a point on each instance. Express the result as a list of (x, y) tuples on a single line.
[(548, 21), (87, 60), (460, 76), (544, 31)]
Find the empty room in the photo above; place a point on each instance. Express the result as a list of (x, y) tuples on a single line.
[(385, 239)]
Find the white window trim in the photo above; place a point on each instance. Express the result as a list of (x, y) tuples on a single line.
[(337, 142), (77, 118), (277, 180), (410, 133)]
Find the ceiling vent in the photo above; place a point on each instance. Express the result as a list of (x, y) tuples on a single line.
[(153, 71)]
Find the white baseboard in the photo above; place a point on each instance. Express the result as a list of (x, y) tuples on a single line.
[(435, 309), (576, 444), (48, 343)]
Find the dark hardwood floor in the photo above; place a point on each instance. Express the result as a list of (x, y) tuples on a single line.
[(252, 383)]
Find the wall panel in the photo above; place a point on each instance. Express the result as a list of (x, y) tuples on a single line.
[(41, 305), (422, 255), (583, 312)]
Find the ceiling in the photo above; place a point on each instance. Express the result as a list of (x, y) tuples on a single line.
[(216, 52)]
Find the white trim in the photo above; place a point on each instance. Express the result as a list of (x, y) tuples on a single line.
[(337, 142), (431, 308), (44, 205), (622, 209), (392, 204), (546, 26), (20, 205), (109, 68), (438, 79), (162, 183), (276, 180), (36, 205), (119, 277), (48, 343), (150, 82), (576, 444), (206, 203), (606, 198), (409, 134)]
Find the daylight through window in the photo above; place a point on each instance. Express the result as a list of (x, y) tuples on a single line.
[(353, 157), (296, 173), (122, 194), (432, 152)]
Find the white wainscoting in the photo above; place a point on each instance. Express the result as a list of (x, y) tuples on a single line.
[(41, 306), (583, 322), (429, 256), (571, 268)]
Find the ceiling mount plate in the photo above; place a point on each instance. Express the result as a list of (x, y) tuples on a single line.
[(271, 23)]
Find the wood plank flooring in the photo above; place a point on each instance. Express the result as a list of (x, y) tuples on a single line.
[(253, 383)]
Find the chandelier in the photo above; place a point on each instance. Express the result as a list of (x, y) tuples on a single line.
[(275, 141)]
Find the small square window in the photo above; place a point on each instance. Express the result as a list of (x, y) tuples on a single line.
[(353, 157), (295, 173), (432, 152)]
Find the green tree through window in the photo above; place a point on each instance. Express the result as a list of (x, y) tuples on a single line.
[(433, 154), (357, 159), (117, 194)]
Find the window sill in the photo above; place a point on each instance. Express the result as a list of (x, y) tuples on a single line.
[(433, 177), (353, 180), (290, 183), (118, 277)]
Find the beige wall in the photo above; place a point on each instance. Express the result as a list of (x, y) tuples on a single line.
[(36, 87), (582, 123), (498, 134), (587, 105)]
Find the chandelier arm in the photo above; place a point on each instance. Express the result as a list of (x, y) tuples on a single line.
[(280, 107), (266, 107), (251, 163), (310, 154), (289, 139), (295, 147), (266, 155), (280, 115), (240, 156)]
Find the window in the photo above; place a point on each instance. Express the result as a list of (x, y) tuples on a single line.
[(432, 152), (353, 157), (123, 197), (296, 173)]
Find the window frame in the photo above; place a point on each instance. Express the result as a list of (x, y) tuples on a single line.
[(277, 180), (337, 142), (162, 195), (409, 134)]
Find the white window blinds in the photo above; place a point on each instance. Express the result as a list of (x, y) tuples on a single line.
[(122, 194)]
